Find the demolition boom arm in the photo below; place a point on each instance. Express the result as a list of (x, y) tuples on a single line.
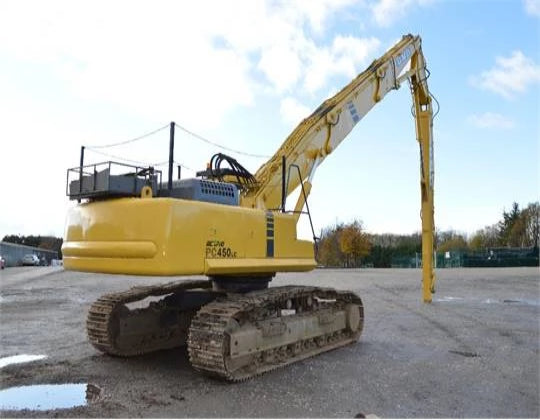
[(319, 135)]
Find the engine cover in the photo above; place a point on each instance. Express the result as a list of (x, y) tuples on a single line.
[(204, 190)]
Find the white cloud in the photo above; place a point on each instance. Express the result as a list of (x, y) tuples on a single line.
[(158, 61), (281, 65), (491, 120), (84, 72), (316, 11), (293, 111), (148, 60), (289, 53), (386, 12), (532, 7), (346, 56), (510, 76)]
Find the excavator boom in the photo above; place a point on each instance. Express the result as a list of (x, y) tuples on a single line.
[(322, 132)]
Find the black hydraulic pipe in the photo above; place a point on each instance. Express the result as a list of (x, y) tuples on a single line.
[(81, 173), (283, 192), (171, 157)]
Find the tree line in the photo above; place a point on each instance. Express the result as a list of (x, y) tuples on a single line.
[(349, 245)]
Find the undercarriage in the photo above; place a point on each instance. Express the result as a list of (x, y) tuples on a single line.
[(233, 336)]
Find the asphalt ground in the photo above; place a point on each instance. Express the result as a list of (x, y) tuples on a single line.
[(473, 352)]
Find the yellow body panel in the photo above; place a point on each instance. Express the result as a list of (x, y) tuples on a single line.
[(165, 236), (256, 265)]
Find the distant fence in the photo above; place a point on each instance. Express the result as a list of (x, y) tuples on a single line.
[(14, 253), (502, 257), (491, 257)]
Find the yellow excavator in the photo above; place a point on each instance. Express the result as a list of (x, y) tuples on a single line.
[(234, 228)]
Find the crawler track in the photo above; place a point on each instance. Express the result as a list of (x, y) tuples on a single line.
[(322, 320), (234, 336), (115, 329)]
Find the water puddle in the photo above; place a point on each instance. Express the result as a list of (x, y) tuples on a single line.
[(488, 301), (20, 358), (523, 301), (7, 298), (48, 397), (79, 300), (464, 353), (448, 299), (365, 416)]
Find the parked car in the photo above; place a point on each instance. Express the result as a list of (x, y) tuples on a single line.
[(2, 262), (30, 259)]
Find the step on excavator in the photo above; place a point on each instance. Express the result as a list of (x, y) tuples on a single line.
[(233, 228)]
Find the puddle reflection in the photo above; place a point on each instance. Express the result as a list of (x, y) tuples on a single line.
[(20, 358), (48, 397), (531, 302)]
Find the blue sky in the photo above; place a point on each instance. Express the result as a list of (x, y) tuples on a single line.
[(244, 73)]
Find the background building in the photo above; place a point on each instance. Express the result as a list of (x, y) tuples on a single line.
[(14, 253)]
